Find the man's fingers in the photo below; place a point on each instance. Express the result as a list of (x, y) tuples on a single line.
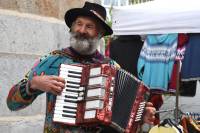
[(58, 83), (149, 104), (56, 89), (59, 79), (149, 115), (152, 111)]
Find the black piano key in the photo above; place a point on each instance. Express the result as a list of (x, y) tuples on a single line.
[(69, 107), (70, 101), (74, 76), (67, 111), (72, 82), (74, 90), (72, 97), (75, 72), (71, 86), (64, 115)]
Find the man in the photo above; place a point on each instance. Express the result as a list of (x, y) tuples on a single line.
[(87, 25)]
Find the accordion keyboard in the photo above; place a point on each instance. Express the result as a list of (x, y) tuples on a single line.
[(66, 103)]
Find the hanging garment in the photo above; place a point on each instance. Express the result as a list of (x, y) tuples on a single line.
[(189, 125), (182, 41), (167, 126), (156, 60), (162, 129), (191, 65), (186, 88), (125, 51)]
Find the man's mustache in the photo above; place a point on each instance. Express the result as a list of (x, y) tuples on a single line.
[(81, 36)]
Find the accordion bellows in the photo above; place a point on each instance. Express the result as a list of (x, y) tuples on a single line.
[(100, 95)]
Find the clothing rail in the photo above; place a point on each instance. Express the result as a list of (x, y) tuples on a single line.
[(163, 111)]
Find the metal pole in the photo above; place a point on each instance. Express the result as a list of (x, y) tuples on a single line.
[(177, 92)]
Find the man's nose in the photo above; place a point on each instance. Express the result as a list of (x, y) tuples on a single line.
[(82, 29)]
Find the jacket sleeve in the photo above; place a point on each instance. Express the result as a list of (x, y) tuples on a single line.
[(20, 95)]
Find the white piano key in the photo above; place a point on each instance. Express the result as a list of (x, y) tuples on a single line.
[(60, 118), (78, 80), (71, 67), (80, 89), (63, 108), (71, 99), (67, 93), (74, 71), (60, 104), (64, 113), (64, 98), (66, 73), (70, 93), (74, 105)]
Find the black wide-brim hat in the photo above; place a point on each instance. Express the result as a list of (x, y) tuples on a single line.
[(92, 10)]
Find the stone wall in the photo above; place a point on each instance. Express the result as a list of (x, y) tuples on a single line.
[(50, 8), (29, 29)]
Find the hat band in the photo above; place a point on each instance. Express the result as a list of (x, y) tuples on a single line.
[(98, 15)]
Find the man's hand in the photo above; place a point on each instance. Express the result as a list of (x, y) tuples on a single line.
[(149, 115), (53, 84)]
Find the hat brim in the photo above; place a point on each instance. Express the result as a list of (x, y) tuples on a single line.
[(72, 14)]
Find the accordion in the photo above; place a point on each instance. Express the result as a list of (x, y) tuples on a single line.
[(100, 95)]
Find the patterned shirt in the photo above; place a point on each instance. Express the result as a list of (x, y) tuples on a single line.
[(21, 96)]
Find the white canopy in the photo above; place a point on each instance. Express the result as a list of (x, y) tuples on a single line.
[(157, 17)]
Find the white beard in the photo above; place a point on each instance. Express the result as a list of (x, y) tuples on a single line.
[(83, 45)]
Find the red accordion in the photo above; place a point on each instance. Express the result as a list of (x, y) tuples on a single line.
[(100, 94)]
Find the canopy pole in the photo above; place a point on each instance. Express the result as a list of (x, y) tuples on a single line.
[(177, 92)]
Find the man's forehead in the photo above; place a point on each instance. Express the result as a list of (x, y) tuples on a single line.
[(86, 19)]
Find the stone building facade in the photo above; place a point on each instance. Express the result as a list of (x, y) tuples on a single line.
[(28, 30)]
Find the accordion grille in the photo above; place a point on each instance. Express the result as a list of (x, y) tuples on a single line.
[(125, 92)]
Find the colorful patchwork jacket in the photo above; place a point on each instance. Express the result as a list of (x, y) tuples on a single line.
[(19, 96)]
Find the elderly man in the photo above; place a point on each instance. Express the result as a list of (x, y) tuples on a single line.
[(87, 25)]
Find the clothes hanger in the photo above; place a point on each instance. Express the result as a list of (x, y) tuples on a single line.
[(169, 122)]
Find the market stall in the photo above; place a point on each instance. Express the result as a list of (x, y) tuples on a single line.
[(161, 18)]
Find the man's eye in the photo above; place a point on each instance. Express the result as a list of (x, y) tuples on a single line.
[(78, 23), (90, 27)]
